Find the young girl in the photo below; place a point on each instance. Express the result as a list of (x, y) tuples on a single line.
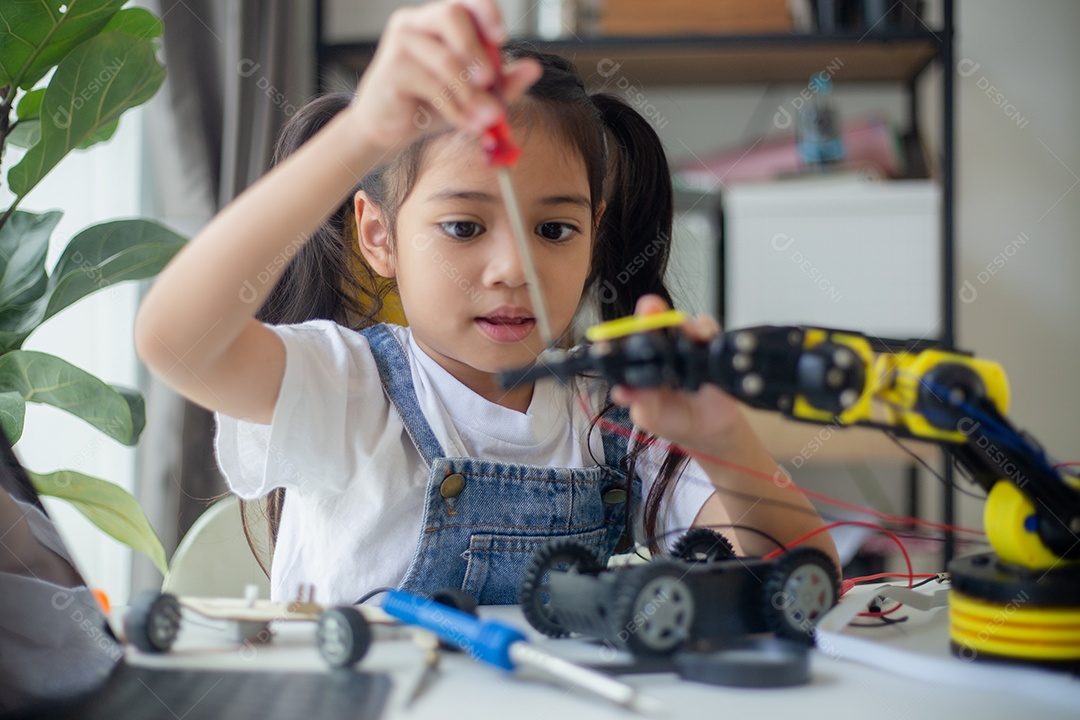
[(402, 461)]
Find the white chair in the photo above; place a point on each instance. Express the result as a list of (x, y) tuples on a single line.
[(214, 558)]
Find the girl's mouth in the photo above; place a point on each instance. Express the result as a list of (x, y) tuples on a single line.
[(506, 329)]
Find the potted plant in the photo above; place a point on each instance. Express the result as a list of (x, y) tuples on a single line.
[(103, 62)]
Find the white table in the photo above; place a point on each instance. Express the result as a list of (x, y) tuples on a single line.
[(840, 687)]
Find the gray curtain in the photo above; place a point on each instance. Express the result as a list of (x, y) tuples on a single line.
[(235, 71)]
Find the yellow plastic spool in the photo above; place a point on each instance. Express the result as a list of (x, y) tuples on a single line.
[(1004, 517), (1013, 630)]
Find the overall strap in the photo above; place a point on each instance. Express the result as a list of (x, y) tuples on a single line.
[(395, 373), (615, 431)]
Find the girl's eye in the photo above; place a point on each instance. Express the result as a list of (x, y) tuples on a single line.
[(461, 229), (555, 231)]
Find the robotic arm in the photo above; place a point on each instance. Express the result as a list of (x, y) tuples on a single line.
[(914, 390)]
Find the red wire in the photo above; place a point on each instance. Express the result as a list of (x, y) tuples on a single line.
[(879, 576), (614, 427), (824, 498), (1065, 464), (882, 613), (899, 543)]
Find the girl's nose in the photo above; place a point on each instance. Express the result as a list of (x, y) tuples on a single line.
[(504, 264)]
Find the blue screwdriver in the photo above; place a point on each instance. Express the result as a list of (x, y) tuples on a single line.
[(506, 647)]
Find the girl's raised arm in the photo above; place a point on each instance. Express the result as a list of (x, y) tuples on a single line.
[(196, 328)]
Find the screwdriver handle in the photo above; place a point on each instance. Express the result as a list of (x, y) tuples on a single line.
[(486, 640), (498, 145)]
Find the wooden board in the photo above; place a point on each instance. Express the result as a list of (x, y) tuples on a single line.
[(267, 611)]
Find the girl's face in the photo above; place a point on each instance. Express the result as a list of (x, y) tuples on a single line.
[(458, 270)]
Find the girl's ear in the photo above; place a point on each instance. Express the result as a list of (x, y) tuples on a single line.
[(373, 234)]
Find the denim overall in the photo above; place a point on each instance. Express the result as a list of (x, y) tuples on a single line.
[(484, 519)]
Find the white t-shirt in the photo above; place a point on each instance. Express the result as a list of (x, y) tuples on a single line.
[(354, 481)]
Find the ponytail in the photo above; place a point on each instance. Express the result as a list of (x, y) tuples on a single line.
[(327, 278), (631, 251), (633, 242)]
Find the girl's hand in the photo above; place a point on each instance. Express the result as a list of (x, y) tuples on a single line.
[(699, 421), (432, 69)]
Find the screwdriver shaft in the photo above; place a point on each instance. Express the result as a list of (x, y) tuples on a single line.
[(521, 238), (607, 687)]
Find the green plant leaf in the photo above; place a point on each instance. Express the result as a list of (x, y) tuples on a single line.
[(16, 323), (43, 378), (136, 21), (27, 128), (107, 505), (24, 242), (100, 136), (109, 253), (29, 106), (12, 414), (25, 133), (136, 405), (92, 87), (35, 35), (99, 256)]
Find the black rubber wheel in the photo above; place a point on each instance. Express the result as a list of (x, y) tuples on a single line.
[(702, 545), (535, 594), (652, 609), (799, 588), (343, 636), (153, 621)]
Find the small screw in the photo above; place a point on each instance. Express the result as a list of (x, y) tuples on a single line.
[(849, 397), (834, 378), (794, 338), (843, 359), (752, 384), (741, 362), (745, 342)]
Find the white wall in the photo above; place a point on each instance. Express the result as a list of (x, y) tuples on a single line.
[(1018, 177)]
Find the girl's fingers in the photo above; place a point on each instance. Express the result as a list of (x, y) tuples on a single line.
[(518, 77), (488, 17), (457, 25), (458, 101), (450, 41), (650, 305), (702, 327)]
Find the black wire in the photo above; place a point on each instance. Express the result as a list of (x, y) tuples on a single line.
[(368, 595), (720, 526), (963, 491), (883, 622)]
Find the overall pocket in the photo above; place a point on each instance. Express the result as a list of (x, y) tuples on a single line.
[(496, 563)]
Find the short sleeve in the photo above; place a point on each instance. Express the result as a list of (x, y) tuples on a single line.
[(681, 505), (311, 440)]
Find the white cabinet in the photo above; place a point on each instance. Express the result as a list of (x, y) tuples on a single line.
[(849, 254)]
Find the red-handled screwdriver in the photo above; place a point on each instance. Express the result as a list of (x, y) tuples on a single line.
[(502, 153)]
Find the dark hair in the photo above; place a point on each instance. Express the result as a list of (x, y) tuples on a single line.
[(628, 178)]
